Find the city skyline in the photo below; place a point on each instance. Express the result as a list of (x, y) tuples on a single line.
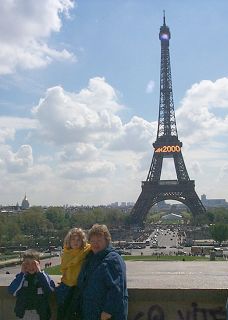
[(212, 203), (80, 97)]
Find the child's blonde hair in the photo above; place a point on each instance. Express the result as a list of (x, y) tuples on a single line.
[(31, 254), (74, 232)]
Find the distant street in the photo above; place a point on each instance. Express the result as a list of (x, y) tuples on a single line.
[(162, 241)]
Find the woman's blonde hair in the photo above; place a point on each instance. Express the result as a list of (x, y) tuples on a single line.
[(74, 232), (100, 230)]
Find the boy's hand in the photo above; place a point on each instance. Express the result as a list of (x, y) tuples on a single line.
[(105, 316), (37, 266)]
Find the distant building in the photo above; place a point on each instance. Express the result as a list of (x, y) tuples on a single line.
[(25, 203), (123, 204), (114, 204), (130, 204), (213, 203), (15, 208), (10, 209)]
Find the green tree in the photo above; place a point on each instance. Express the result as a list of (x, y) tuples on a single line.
[(219, 232), (57, 217), (10, 232), (218, 215), (187, 217), (33, 222), (154, 217)]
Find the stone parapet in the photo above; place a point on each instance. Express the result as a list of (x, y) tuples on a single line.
[(160, 291), (153, 304)]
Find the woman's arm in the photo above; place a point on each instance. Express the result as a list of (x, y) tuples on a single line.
[(114, 282)]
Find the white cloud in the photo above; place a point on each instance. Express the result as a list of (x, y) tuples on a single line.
[(25, 27), (78, 152), (6, 134), (98, 92), (223, 174), (92, 143), (93, 169), (83, 129), (197, 119), (195, 168), (9, 126), (150, 86), (88, 115), (92, 137), (18, 123), (202, 124), (17, 162), (88, 155), (138, 135)]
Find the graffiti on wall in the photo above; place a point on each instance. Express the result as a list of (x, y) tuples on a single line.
[(156, 312)]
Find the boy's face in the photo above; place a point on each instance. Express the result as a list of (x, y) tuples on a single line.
[(30, 265), (75, 242)]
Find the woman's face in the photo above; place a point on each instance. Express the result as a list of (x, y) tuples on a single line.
[(98, 243)]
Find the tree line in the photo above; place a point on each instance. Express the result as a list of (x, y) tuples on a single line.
[(47, 227), (39, 227)]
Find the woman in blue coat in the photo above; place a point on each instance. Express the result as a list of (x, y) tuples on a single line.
[(102, 279)]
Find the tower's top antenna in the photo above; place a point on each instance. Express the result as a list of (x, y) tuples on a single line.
[(163, 17), (164, 34)]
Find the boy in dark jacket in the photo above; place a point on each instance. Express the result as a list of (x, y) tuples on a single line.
[(32, 288)]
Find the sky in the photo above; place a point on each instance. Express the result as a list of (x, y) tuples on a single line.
[(79, 97)]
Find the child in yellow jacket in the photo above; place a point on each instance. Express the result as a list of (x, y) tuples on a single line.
[(74, 252)]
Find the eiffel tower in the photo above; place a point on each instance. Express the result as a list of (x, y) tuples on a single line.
[(167, 145)]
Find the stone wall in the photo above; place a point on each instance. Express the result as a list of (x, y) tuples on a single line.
[(153, 304)]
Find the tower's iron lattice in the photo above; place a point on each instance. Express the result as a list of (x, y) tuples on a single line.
[(167, 145)]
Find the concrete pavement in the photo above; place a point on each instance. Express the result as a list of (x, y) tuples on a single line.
[(177, 274), (165, 274)]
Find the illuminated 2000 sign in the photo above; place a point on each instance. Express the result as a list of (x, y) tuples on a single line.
[(168, 149)]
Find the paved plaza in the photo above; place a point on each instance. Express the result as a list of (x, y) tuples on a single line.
[(178, 274), (164, 274)]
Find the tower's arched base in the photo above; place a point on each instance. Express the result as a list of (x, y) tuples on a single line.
[(154, 192)]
